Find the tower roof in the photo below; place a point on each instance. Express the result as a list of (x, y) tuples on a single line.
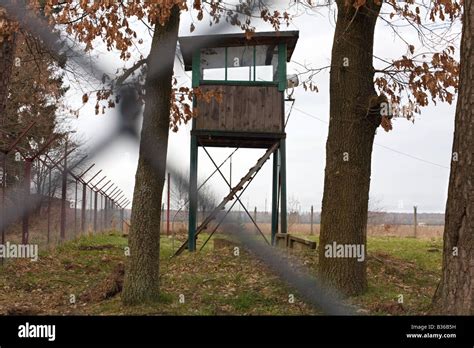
[(189, 43)]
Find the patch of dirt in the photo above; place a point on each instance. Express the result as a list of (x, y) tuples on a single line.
[(68, 265), (22, 310), (220, 243), (96, 247), (402, 277), (387, 307), (391, 263), (108, 288), (433, 250)]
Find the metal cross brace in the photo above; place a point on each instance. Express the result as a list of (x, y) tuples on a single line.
[(237, 197), (225, 215)]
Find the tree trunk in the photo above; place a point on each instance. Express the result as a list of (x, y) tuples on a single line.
[(142, 276), (349, 146), (7, 57), (455, 293)]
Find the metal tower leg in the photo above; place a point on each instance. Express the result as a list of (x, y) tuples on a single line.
[(242, 185), (193, 198), (275, 196), (284, 215)]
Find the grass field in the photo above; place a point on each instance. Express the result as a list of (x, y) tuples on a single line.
[(85, 277), (425, 231)]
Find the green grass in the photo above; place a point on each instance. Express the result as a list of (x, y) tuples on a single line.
[(213, 282), (410, 249), (398, 266), (402, 266)]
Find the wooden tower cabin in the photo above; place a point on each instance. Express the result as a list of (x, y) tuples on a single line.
[(251, 76)]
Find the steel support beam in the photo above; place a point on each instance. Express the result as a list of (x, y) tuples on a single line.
[(193, 197), (275, 185), (283, 199)]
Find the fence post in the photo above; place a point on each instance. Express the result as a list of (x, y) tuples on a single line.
[(312, 214), (91, 212), (113, 211), (101, 224), (50, 193), (75, 211), (83, 212), (106, 213), (121, 219), (95, 211), (63, 196), (99, 212), (415, 218), (26, 192), (110, 216), (110, 211)]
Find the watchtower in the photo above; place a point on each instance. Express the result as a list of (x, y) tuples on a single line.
[(251, 75)]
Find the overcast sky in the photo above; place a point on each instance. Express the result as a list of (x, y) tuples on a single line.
[(410, 165)]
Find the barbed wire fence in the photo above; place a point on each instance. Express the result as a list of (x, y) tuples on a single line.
[(96, 208), (45, 202)]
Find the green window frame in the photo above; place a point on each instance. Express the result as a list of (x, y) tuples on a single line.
[(281, 71)]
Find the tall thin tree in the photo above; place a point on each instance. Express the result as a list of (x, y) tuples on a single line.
[(142, 277)]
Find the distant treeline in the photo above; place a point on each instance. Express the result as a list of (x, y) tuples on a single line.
[(375, 218), (405, 218)]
